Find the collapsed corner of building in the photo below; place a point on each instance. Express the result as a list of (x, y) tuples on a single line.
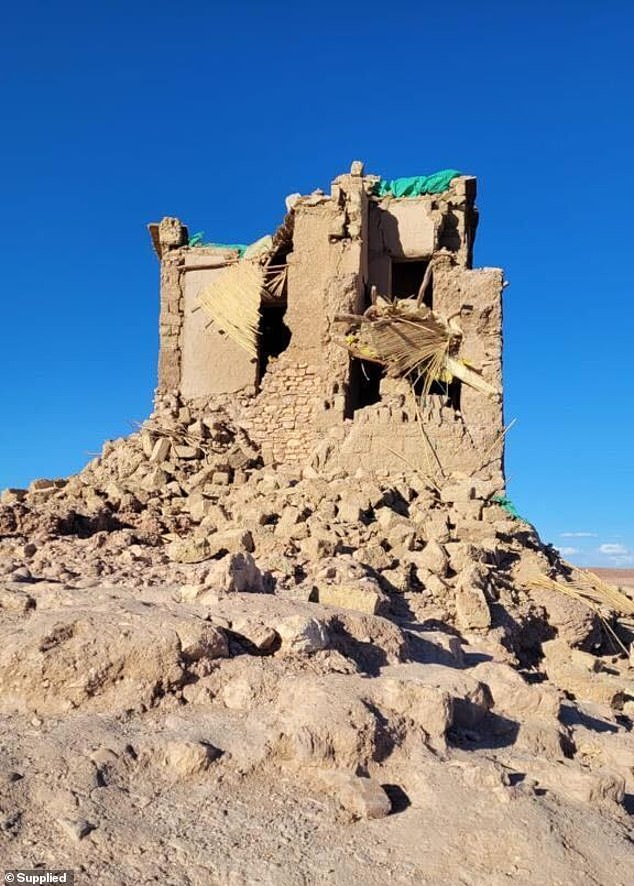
[(356, 336)]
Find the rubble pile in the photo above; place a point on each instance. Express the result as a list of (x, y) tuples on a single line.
[(177, 619), (186, 500)]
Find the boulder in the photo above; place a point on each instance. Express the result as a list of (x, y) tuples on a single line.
[(362, 797), (363, 596), (301, 635)]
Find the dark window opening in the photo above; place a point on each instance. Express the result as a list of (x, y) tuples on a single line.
[(407, 277), (275, 336), (449, 391), (365, 382)]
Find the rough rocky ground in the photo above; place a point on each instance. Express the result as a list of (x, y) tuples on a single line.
[(217, 673)]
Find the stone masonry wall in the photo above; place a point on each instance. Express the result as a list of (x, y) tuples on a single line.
[(282, 418)]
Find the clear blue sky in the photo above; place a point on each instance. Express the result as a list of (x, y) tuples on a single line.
[(115, 114)]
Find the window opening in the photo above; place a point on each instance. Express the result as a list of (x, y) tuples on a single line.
[(407, 277)]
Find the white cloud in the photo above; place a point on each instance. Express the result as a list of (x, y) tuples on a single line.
[(568, 552), (613, 550), (577, 534)]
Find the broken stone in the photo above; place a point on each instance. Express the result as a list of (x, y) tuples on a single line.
[(187, 759), (362, 797), (236, 573), (191, 550), (230, 541), (156, 479), (350, 510), (258, 634), (302, 635), (437, 647), (470, 699), (432, 558), (41, 484), (317, 547), (406, 693), (16, 601), (160, 451), (460, 492), (76, 828), (435, 526), (201, 639), (185, 452), (578, 680), (472, 609), (199, 506), (362, 596), (327, 722), (12, 496)]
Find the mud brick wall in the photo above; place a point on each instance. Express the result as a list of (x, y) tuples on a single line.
[(432, 437), (474, 298), (211, 362), (170, 324), (282, 418), (304, 392), (303, 409)]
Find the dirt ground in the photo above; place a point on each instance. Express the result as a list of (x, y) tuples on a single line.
[(622, 578), (146, 739), (216, 674)]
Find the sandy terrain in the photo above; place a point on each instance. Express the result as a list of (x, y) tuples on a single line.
[(622, 578)]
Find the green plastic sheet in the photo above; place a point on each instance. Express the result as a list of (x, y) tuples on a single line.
[(508, 506), (416, 185), (198, 240)]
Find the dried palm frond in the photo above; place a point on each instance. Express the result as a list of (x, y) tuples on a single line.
[(232, 301), (591, 590), (412, 347), (469, 376), (411, 341), (596, 594), (283, 236)]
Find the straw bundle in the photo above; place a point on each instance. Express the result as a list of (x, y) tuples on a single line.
[(418, 346), (232, 301), (410, 341), (597, 595), (591, 590)]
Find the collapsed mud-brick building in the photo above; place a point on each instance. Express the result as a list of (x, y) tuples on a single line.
[(269, 330)]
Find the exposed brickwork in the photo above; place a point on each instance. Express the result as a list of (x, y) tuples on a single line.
[(282, 418)]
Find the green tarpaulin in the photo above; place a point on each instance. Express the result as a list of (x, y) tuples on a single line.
[(416, 185), (508, 506), (198, 240)]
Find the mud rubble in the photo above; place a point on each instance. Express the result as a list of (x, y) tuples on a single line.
[(217, 672)]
